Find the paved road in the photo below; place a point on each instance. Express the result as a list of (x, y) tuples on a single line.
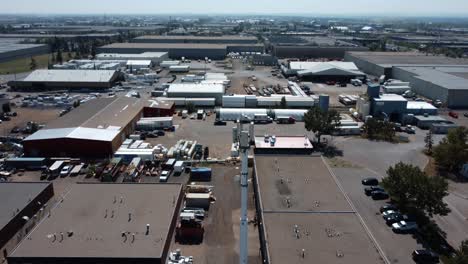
[(397, 248)]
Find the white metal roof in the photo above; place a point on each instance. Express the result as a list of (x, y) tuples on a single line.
[(390, 97), (84, 133), (420, 105), (70, 76), (196, 88), (306, 65), (138, 62), (128, 55), (329, 69)]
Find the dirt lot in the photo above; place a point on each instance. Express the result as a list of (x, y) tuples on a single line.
[(221, 239), (40, 116)]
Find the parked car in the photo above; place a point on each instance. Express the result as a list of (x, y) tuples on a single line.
[(410, 129), (388, 213), (395, 218), (453, 114), (465, 114), (404, 227), (65, 171), (331, 82), (15, 130), (378, 195), (370, 181), (425, 256), (368, 190), (388, 207)]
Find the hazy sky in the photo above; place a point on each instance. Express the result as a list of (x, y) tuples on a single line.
[(345, 7)]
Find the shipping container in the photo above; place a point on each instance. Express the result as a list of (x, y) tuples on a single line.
[(200, 174), (198, 200), (25, 163), (234, 101)]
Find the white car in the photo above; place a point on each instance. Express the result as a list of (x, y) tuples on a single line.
[(164, 176), (389, 212), (404, 227), (65, 171)]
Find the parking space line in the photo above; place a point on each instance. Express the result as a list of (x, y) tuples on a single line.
[(366, 228)]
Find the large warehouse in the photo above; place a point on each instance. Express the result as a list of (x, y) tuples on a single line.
[(304, 47), (95, 129), (66, 79), (20, 202), (155, 57), (435, 77), (179, 50), (323, 71), (105, 223), (232, 39), (12, 49), (304, 216)]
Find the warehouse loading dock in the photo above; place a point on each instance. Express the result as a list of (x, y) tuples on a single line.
[(304, 216)]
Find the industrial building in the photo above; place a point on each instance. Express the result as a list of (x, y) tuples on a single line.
[(66, 79), (95, 129), (21, 202), (228, 39), (323, 71), (122, 223), (179, 50), (305, 47), (197, 90), (283, 145), (435, 77), (155, 57), (12, 49), (303, 215)]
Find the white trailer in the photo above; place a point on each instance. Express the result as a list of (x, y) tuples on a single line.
[(179, 166)]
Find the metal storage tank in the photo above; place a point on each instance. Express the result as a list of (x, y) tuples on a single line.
[(324, 102), (233, 114), (234, 101), (297, 114), (250, 101)]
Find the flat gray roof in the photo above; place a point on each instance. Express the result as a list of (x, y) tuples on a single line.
[(84, 76), (16, 196), (97, 214), (451, 78), (225, 37), (406, 58), (328, 229), (173, 45)]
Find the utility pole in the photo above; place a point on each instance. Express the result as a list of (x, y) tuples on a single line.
[(244, 140)]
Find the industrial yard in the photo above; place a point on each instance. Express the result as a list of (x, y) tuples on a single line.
[(232, 139)]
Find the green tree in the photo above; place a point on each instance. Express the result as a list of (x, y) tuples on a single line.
[(190, 107), (321, 122), (379, 130), (33, 64), (283, 103), (452, 152), (429, 140), (59, 56), (461, 254), (410, 187)]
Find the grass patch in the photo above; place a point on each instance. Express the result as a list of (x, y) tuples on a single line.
[(24, 64)]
